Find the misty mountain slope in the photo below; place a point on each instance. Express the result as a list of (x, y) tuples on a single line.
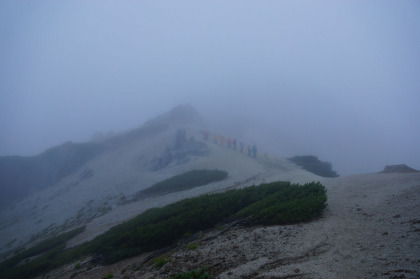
[(21, 176), (161, 148)]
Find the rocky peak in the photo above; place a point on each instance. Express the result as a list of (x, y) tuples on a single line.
[(180, 115)]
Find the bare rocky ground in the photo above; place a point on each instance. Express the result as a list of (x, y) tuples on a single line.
[(370, 229)]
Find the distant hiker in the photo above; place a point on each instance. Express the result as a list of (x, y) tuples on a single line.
[(205, 135), (249, 150), (222, 139), (242, 146), (229, 142), (234, 144), (254, 151), (215, 139)]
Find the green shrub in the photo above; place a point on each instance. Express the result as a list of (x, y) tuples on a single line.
[(193, 274), (314, 165), (289, 205), (192, 246), (109, 276), (159, 262), (186, 235)]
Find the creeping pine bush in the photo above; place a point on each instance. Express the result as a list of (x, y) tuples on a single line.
[(291, 204), (314, 165), (185, 181), (270, 203)]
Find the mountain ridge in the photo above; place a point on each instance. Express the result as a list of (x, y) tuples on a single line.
[(91, 193)]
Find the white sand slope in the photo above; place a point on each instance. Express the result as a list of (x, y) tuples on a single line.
[(243, 171)]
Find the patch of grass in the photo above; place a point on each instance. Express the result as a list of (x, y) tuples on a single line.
[(193, 274), (108, 276), (159, 262), (186, 235), (77, 266), (185, 181), (192, 246)]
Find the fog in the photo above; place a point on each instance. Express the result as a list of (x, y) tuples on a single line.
[(339, 80)]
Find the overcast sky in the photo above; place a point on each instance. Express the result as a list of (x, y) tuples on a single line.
[(336, 79)]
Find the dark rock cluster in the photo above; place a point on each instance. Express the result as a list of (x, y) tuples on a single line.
[(402, 168), (181, 151)]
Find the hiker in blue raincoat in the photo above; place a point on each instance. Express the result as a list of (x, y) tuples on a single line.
[(254, 151)]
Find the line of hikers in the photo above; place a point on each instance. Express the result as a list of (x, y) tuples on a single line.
[(231, 143)]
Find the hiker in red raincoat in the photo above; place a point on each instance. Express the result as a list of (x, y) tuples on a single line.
[(229, 142)]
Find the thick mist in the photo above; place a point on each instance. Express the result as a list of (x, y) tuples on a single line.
[(332, 79)]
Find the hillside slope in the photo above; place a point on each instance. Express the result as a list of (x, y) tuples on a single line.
[(371, 229), (22, 176)]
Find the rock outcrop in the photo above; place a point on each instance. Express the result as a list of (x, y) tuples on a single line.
[(402, 168)]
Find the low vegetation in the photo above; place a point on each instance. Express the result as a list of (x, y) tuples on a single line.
[(290, 204), (185, 181), (156, 228), (314, 165), (159, 262), (193, 274), (192, 246), (45, 252)]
